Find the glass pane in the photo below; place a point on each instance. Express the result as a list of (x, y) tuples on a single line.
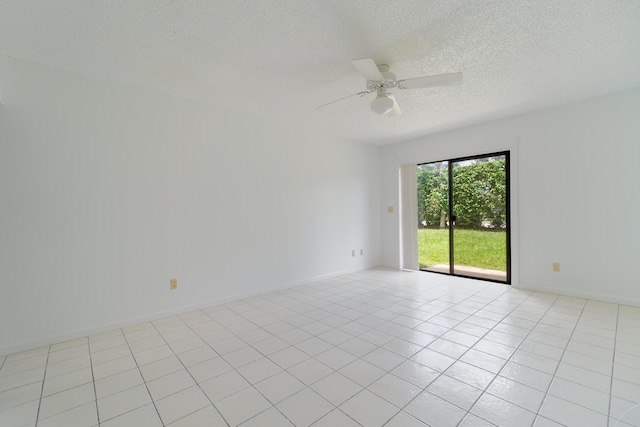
[(433, 218), (480, 226)]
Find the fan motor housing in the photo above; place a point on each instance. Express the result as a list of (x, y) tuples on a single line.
[(388, 81)]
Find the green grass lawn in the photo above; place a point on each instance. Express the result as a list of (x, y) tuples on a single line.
[(482, 249)]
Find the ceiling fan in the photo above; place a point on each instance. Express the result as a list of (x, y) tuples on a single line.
[(380, 80)]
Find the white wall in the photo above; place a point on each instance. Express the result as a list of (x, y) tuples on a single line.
[(108, 191), (577, 195)]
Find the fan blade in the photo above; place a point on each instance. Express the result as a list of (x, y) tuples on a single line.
[(431, 81), (368, 68), (329, 104), (395, 111)]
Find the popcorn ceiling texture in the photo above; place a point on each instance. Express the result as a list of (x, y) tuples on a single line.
[(281, 58)]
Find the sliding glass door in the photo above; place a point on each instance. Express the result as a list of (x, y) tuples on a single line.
[(433, 217), (463, 217)]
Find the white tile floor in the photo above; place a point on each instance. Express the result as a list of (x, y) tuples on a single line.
[(377, 348)]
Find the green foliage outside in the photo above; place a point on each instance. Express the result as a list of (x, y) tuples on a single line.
[(433, 194), (479, 196), (479, 203), (477, 248)]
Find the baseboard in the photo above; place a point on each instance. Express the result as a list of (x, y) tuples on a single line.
[(28, 345), (98, 329), (581, 293)]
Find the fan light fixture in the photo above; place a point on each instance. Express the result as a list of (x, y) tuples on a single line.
[(382, 104)]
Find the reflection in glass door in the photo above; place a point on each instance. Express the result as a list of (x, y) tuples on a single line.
[(463, 217)]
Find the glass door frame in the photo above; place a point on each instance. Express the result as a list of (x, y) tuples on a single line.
[(451, 225)]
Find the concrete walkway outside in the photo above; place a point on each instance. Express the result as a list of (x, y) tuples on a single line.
[(469, 271)]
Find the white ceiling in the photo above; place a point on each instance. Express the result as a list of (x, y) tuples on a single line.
[(282, 58)]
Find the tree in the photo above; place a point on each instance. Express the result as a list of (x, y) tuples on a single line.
[(479, 193), (433, 195)]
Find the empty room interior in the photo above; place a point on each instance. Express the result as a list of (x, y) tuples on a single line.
[(217, 213)]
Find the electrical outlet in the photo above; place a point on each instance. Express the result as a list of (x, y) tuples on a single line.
[(556, 267), (353, 252), (173, 284)]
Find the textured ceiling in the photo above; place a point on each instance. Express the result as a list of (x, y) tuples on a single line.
[(282, 58)]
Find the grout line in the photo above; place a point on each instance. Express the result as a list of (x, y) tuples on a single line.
[(553, 376), (507, 360), (248, 345), (265, 356), (44, 378), (313, 320), (187, 370), (562, 356), (449, 307), (93, 380), (452, 307), (613, 365), (141, 376)]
